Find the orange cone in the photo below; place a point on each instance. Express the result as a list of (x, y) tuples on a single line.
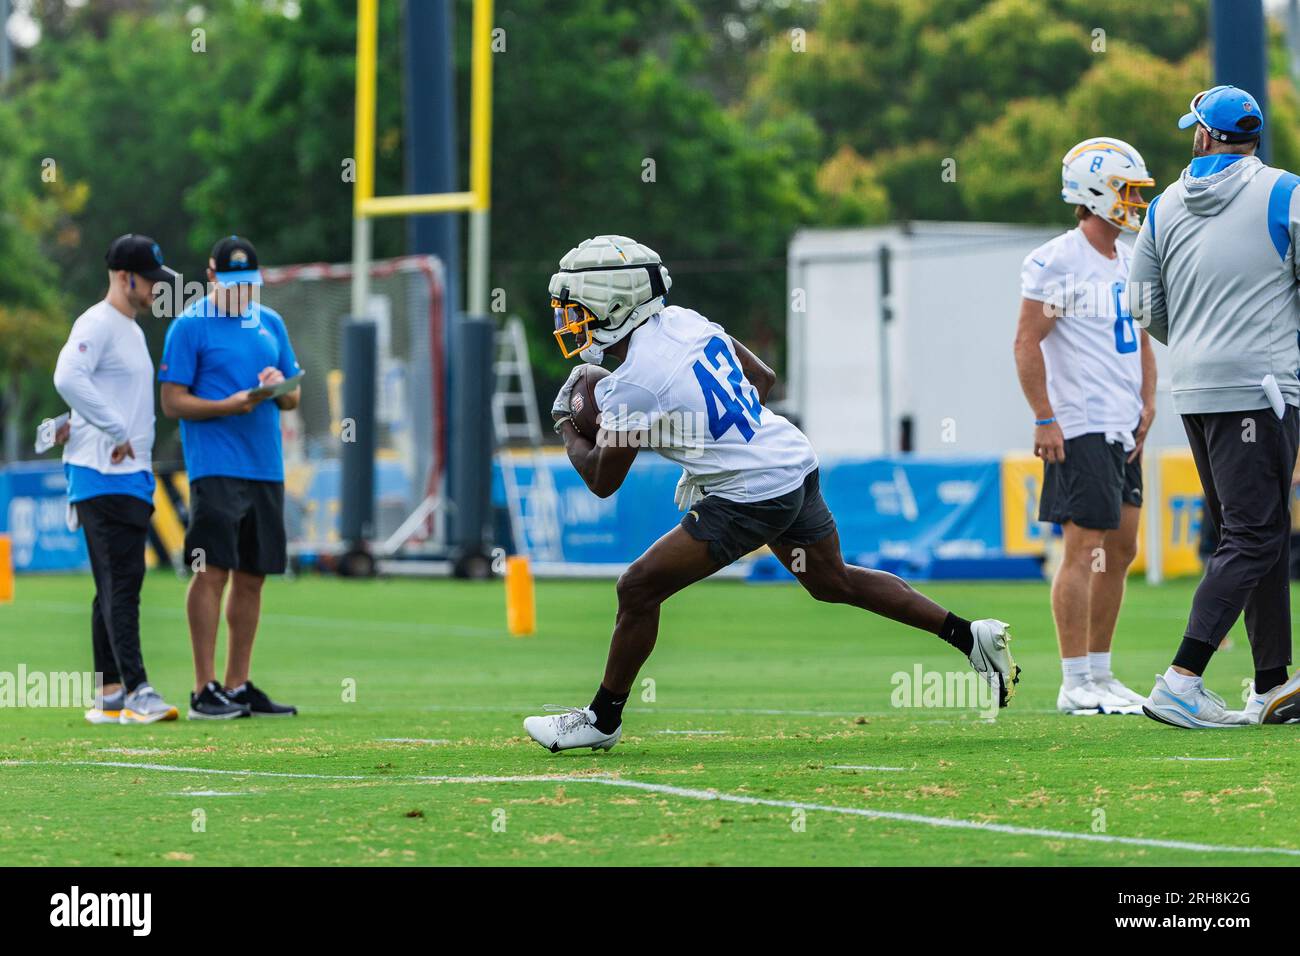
[(521, 608), (6, 569)]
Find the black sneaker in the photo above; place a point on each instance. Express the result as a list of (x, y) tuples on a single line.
[(259, 704), (212, 703)]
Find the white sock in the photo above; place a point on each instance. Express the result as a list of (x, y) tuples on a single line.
[(1074, 670), (236, 690), (1099, 664), (1180, 683)]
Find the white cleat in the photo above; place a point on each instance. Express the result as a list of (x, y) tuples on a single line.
[(1116, 688), (992, 659), (1282, 703), (574, 728), (1198, 709), (1088, 697)]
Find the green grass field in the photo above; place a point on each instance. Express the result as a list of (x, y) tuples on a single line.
[(759, 695)]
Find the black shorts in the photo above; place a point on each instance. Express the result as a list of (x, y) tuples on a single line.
[(237, 524), (1092, 485), (733, 529)]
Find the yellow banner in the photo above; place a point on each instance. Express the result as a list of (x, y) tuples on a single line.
[(1182, 504)]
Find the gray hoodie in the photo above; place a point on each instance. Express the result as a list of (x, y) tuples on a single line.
[(1214, 277)]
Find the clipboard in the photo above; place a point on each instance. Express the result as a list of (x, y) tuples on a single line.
[(275, 391)]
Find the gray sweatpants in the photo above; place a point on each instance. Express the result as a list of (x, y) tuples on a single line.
[(1245, 460)]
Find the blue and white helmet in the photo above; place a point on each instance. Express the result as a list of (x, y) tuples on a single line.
[(1104, 175)]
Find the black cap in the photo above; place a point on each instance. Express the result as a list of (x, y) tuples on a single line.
[(138, 254), (236, 262)]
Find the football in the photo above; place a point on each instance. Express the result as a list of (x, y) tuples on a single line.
[(586, 415)]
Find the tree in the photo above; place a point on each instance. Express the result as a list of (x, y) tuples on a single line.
[(31, 307)]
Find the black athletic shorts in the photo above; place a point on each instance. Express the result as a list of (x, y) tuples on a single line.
[(238, 524), (1092, 485), (733, 529)]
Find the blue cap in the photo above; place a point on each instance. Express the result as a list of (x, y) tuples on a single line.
[(1230, 114)]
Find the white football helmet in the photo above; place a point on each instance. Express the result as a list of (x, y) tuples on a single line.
[(1104, 175), (605, 288)]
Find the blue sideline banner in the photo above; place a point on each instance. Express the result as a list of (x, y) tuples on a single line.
[(33, 512), (906, 513)]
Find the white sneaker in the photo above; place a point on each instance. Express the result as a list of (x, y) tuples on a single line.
[(574, 728), (144, 705), (1197, 709), (1282, 703), (1254, 708), (1088, 697), (1116, 688), (992, 659), (107, 710)]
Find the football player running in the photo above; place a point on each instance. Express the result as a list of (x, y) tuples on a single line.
[(750, 478), (1090, 378)]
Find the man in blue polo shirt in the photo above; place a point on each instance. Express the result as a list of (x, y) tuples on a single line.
[(220, 356)]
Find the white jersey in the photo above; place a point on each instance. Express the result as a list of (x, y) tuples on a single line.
[(683, 383), (1094, 366), (105, 374)]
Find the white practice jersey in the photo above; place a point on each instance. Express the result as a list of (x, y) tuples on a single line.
[(683, 383), (1094, 367), (105, 375)]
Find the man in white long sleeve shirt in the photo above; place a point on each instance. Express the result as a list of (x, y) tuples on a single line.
[(105, 374)]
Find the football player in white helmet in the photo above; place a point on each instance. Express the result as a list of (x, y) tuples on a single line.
[(687, 389), (1090, 378)]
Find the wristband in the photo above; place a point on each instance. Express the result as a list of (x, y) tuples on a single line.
[(1045, 421), (559, 423)]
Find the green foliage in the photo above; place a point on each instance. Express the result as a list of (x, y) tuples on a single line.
[(599, 131), (1010, 170), (709, 129)]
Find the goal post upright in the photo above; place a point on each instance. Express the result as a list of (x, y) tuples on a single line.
[(476, 201)]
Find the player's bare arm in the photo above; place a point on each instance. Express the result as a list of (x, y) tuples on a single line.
[(1036, 322), (756, 370), (604, 463), (1148, 396)]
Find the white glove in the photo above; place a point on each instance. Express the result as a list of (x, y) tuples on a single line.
[(687, 493), (562, 407)]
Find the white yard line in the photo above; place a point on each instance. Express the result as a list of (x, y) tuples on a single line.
[(688, 793)]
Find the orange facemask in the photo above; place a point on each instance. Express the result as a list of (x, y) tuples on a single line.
[(573, 321)]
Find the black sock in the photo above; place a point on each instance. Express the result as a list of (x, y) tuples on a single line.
[(1266, 680), (956, 631), (1194, 655), (608, 708)]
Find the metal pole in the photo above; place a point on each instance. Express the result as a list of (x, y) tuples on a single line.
[(1155, 508), (6, 51), (362, 230), (886, 315), (357, 482), (479, 222), (1237, 36)]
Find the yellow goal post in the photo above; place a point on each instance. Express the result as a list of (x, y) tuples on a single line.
[(477, 201)]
